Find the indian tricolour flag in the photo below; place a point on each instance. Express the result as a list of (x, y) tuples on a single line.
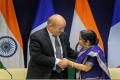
[(11, 47), (82, 19)]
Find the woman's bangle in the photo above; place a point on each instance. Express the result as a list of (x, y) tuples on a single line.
[(72, 64)]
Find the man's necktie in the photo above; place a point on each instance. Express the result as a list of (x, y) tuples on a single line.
[(58, 49), (58, 53)]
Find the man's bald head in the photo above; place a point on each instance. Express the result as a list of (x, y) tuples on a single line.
[(56, 24), (56, 19)]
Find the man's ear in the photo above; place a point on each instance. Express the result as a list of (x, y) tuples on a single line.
[(50, 26)]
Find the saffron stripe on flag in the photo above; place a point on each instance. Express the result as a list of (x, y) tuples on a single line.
[(83, 19), (11, 47)]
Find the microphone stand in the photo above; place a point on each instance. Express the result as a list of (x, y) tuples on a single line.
[(11, 77), (2, 67)]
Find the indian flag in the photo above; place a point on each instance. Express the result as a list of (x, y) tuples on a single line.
[(11, 47), (82, 19)]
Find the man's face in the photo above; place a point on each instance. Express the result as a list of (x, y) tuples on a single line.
[(57, 29)]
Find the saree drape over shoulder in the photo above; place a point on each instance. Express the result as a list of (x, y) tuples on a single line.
[(99, 69)]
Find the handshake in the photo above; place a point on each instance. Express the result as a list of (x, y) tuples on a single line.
[(65, 63)]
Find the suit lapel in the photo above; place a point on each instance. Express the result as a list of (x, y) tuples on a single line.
[(63, 45), (47, 38), (50, 43)]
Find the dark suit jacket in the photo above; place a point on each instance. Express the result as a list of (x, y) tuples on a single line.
[(42, 54)]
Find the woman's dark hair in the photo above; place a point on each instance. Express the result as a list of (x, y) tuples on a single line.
[(89, 35)]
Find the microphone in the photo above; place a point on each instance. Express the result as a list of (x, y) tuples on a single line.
[(3, 67)]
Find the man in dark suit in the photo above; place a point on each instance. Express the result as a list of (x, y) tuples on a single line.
[(45, 45)]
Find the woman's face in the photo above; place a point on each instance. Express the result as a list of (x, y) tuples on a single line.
[(82, 42)]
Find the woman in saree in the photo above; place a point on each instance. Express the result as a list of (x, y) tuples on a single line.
[(91, 62)]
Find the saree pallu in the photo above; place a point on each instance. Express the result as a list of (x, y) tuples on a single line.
[(99, 69)]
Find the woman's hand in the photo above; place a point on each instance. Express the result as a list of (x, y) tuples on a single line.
[(63, 63)]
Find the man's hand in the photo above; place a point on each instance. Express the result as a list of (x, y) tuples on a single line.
[(63, 63)]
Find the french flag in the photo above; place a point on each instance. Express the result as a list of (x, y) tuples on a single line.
[(114, 38), (44, 11)]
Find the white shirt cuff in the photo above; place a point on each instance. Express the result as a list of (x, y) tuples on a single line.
[(57, 61)]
